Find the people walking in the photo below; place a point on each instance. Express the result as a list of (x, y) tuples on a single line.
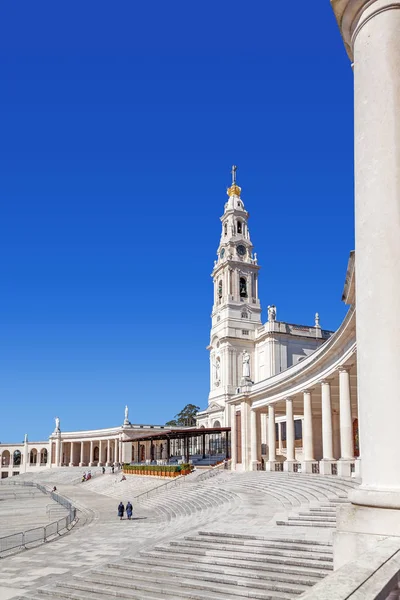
[(121, 510), (129, 509), (104, 470)]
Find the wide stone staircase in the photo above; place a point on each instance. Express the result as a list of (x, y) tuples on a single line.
[(255, 535), (206, 566)]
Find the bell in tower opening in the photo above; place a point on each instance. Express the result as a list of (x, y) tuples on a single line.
[(243, 287)]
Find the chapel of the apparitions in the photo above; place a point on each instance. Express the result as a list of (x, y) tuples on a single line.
[(294, 397)]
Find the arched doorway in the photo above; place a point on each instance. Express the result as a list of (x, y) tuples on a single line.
[(96, 454), (43, 457)]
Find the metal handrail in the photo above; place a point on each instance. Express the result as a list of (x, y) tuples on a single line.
[(171, 483), (37, 535), (215, 470)]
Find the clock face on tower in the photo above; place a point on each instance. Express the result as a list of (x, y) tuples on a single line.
[(241, 250)]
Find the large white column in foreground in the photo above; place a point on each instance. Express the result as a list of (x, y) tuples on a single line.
[(370, 29), (376, 43)]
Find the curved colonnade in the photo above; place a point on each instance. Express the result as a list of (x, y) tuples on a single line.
[(321, 392)]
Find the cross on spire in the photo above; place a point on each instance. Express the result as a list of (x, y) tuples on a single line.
[(233, 171)]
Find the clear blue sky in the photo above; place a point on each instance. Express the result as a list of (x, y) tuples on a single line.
[(119, 125)]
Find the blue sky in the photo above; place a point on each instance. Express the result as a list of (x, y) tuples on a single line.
[(119, 125)]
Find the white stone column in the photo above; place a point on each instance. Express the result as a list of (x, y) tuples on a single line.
[(71, 458), (290, 451), (327, 429), (371, 30), (115, 450), (57, 456), (100, 453), (254, 441), (81, 457), (308, 438), (245, 424), (91, 463), (346, 424), (233, 437), (61, 453), (270, 464), (108, 453)]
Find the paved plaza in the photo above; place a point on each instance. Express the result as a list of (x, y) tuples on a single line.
[(223, 531)]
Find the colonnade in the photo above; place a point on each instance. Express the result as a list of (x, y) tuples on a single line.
[(327, 430), (90, 453)]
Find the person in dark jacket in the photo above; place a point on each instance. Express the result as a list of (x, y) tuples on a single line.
[(129, 509), (121, 510)]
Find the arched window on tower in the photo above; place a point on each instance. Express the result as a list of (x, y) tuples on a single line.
[(220, 289), (226, 229), (243, 287), (239, 226)]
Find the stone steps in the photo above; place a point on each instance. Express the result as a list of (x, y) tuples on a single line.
[(272, 558), (257, 565), (273, 545), (107, 589), (297, 523), (206, 566), (232, 583), (210, 569), (248, 549), (315, 519), (242, 536)]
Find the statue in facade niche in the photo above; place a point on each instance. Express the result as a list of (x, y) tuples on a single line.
[(217, 367), (271, 313), (246, 364)]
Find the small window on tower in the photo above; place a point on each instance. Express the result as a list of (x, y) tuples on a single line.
[(245, 315), (226, 229), (220, 289), (239, 227)]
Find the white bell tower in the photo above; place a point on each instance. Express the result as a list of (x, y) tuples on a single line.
[(236, 311)]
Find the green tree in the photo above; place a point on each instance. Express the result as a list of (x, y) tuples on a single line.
[(186, 418)]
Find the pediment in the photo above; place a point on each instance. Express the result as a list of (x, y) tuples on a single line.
[(213, 407)]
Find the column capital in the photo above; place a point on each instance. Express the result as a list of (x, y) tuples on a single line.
[(307, 391), (343, 369), (289, 398), (351, 15), (325, 381)]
